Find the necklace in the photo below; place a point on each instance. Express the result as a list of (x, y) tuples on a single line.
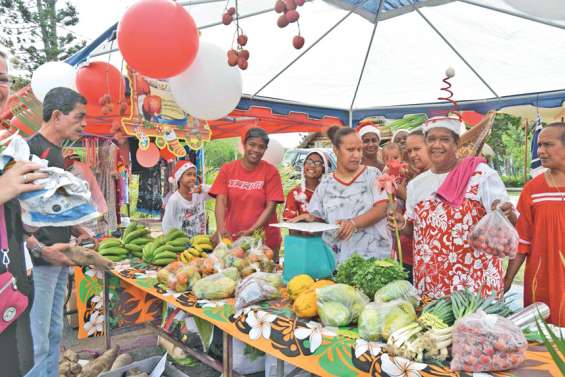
[(555, 186)]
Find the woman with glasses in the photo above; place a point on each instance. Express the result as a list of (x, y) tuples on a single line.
[(349, 198), (315, 166)]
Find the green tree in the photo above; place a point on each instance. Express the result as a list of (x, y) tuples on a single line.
[(36, 31), (507, 139), (218, 152)]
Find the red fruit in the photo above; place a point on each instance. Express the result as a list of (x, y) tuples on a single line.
[(244, 54), (292, 16), (242, 40), (282, 21), (290, 4), (242, 63), (299, 2), (227, 19), (280, 6), (298, 42), (488, 350), (232, 58), (485, 360), (231, 11)]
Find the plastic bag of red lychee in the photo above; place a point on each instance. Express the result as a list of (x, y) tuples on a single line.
[(487, 342), (495, 235)]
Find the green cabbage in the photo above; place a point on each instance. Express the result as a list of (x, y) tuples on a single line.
[(398, 289), (334, 314), (352, 299), (379, 320)]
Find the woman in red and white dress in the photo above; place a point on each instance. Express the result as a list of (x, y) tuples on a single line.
[(443, 204)]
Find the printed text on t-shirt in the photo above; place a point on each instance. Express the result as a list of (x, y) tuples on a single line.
[(244, 185)]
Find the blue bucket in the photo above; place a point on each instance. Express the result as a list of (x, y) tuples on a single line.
[(307, 255)]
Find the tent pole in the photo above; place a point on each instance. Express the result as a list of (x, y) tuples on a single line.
[(309, 48), (515, 14), (526, 151), (367, 54), (457, 53), (198, 2)]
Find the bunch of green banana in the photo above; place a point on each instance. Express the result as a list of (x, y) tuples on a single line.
[(113, 249), (135, 237), (164, 249)]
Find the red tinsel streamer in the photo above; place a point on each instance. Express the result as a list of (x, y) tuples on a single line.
[(447, 89)]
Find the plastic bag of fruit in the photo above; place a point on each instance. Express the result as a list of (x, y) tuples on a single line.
[(495, 235), (256, 288), (487, 342)]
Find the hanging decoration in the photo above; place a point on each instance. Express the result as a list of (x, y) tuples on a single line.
[(289, 15), (156, 115), (100, 83), (237, 56), (158, 38), (148, 157)]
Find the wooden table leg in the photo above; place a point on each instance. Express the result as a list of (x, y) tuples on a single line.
[(228, 355), (107, 333)]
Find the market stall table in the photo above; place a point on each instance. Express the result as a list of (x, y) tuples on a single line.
[(273, 328)]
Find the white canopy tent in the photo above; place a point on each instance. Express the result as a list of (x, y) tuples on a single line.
[(353, 61)]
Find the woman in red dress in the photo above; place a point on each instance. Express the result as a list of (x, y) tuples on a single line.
[(541, 227)]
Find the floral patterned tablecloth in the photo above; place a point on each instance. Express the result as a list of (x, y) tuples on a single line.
[(274, 329)]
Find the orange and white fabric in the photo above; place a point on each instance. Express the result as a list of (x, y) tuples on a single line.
[(541, 227), (443, 258)]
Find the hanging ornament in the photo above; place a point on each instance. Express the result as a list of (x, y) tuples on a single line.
[(174, 144), (160, 142), (142, 139)]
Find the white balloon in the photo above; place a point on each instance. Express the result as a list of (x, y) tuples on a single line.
[(52, 75), (274, 153), (209, 89), (548, 9)]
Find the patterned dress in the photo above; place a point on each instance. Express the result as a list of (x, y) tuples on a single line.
[(336, 200), (443, 258)]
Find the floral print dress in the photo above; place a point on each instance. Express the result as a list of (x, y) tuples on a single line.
[(443, 258)]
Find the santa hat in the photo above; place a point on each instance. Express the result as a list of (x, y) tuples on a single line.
[(180, 168), (369, 129)]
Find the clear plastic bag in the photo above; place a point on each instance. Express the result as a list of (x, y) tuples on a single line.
[(379, 320), (486, 342), (214, 287), (495, 235), (254, 289), (340, 304), (398, 289)]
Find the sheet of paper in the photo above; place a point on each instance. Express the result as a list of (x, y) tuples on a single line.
[(160, 367), (307, 227)]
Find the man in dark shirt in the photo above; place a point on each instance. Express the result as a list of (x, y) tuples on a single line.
[(64, 118)]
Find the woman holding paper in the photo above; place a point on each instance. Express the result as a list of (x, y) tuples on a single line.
[(349, 198)]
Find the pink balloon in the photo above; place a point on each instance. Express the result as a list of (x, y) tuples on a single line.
[(149, 157)]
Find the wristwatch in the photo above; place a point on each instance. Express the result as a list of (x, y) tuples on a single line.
[(37, 250)]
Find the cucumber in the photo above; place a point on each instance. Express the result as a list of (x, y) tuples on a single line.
[(113, 251), (135, 234)]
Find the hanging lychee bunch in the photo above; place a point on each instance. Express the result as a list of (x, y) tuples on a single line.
[(289, 15), (238, 55), (106, 104)]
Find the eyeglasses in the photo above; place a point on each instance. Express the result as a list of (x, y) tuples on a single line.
[(317, 164)]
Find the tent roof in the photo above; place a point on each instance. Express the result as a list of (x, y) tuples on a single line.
[(355, 63)]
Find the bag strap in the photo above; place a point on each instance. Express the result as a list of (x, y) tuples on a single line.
[(4, 246)]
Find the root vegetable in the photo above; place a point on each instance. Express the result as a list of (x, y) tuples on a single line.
[(100, 364), (121, 361), (65, 367), (76, 368), (70, 355), (81, 256)]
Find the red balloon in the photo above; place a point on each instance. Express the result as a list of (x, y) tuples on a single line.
[(167, 155), (98, 79), (158, 38)]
